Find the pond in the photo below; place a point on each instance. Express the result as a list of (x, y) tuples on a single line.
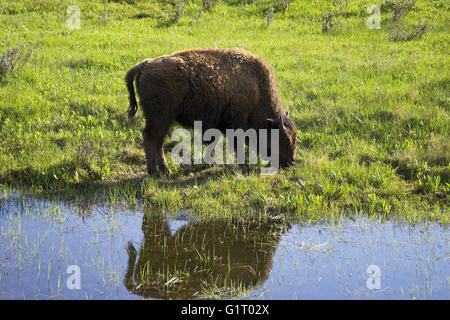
[(54, 249)]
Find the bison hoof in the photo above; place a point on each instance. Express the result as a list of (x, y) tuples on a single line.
[(159, 171), (154, 173)]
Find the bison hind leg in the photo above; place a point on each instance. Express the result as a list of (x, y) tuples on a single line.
[(153, 147)]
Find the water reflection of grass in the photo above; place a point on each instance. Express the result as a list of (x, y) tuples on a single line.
[(42, 255), (205, 266), (202, 259), (378, 243)]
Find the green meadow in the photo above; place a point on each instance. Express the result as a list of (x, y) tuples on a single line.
[(371, 106)]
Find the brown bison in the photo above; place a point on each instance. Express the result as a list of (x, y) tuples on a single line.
[(223, 88)]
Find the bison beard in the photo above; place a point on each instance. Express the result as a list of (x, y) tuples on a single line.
[(223, 88)]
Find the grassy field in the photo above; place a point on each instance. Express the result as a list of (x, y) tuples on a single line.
[(372, 111)]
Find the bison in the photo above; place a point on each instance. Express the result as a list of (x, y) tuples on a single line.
[(223, 88)]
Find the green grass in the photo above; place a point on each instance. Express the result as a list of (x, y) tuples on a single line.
[(372, 114)]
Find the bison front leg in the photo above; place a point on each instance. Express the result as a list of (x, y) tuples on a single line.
[(154, 152)]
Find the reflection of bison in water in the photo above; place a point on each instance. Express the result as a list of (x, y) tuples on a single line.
[(201, 258), (223, 88)]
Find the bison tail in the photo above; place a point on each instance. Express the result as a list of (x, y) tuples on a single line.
[(129, 79)]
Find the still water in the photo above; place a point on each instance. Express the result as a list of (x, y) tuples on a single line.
[(61, 250)]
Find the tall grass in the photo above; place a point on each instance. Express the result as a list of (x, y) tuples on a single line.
[(13, 60)]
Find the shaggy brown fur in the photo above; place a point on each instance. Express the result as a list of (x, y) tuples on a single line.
[(223, 88)]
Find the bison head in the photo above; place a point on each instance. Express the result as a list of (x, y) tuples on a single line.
[(288, 138)]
